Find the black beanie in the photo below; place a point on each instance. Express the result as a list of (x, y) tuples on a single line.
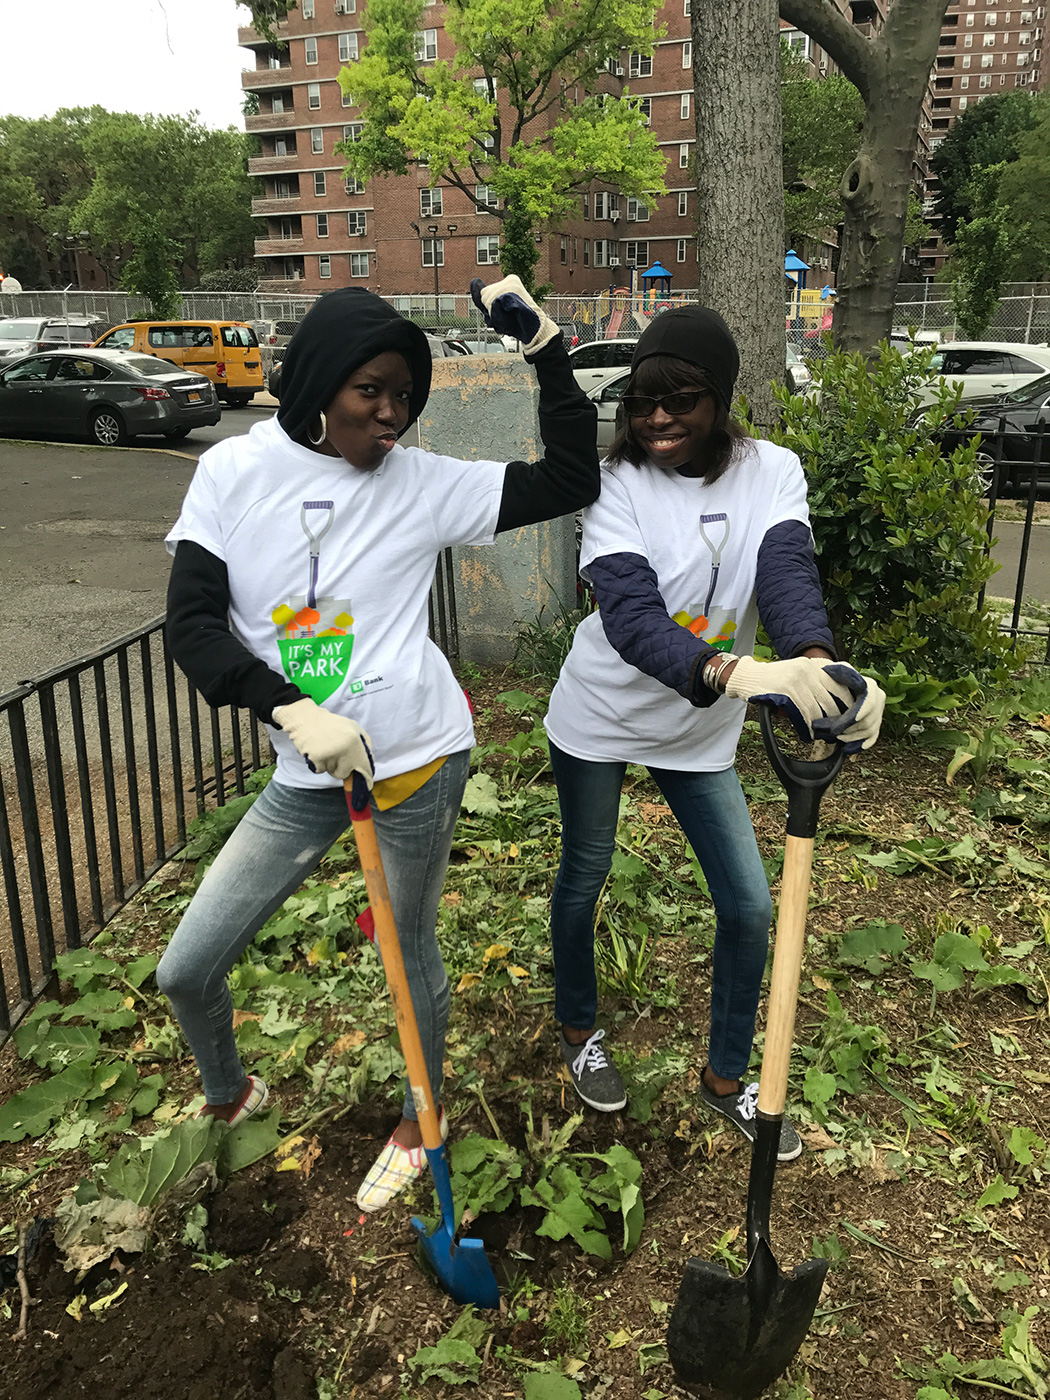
[(698, 335), (342, 331)]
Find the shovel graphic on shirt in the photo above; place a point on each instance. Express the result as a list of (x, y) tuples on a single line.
[(716, 626), (314, 633)]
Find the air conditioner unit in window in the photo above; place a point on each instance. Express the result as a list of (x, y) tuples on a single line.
[(619, 70), (614, 216), (357, 233), (614, 262)]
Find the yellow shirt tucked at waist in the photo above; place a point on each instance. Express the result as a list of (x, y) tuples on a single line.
[(388, 792)]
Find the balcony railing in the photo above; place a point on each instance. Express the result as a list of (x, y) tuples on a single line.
[(270, 121), (253, 78), (271, 165), (248, 38), (289, 205), (277, 247)]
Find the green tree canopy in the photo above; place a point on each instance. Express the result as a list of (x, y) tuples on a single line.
[(984, 135), (1024, 194), (516, 110), (822, 123)]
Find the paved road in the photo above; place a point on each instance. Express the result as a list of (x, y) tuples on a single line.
[(82, 558)]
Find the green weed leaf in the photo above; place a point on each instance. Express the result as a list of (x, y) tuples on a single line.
[(31, 1112), (872, 946), (996, 1193), (547, 1385)]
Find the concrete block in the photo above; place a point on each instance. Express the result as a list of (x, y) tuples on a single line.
[(485, 406)]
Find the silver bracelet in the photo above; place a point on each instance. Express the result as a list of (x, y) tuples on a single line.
[(712, 672)]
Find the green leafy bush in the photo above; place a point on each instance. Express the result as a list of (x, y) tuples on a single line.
[(900, 525)]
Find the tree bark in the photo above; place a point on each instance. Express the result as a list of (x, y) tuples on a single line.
[(739, 178), (891, 71)]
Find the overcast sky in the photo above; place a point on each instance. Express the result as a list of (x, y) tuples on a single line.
[(163, 56)]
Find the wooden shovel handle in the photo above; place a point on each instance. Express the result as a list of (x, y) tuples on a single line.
[(787, 968), (393, 961)]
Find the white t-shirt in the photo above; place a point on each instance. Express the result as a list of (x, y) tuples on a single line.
[(330, 571), (702, 542)]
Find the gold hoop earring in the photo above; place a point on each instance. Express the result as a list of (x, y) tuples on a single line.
[(317, 441)]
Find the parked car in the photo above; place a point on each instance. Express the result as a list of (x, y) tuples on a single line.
[(109, 396), (987, 368), (1024, 416), (592, 363), (23, 335), (590, 376), (797, 372), (226, 352)]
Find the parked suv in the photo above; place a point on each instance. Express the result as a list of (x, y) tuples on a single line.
[(25, 335)]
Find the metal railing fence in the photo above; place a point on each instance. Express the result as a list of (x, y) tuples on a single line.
[(1019, 476), (103, 762)]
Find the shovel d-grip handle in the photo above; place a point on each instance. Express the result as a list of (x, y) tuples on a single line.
[(359, 803), (804, 780)]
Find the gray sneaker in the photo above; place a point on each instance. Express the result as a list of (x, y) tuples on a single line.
[(740, 1108), (594, 1076)]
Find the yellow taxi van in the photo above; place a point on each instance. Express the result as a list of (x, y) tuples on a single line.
[(226, 352)]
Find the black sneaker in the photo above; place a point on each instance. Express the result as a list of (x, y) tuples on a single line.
[(594, 1076), (740, 1108)]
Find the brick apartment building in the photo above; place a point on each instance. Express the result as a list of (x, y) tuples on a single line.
[(986, 47), (399, 234)]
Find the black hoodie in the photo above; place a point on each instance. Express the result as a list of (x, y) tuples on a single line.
[(342, 331)]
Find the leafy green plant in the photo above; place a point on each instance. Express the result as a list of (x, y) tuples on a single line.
[(899, 523), (455, 1358), (911, 698), (840, 1055), (1022, 1370), (568, 1319), (540, 647), (622, 961)]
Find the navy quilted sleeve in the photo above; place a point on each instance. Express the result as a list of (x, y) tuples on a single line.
[(639, 627), (790, 602)]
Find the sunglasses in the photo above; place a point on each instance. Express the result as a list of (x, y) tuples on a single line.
[(641, 406)]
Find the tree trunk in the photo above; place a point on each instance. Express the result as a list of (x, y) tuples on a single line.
[(891, 71), (736, 82)]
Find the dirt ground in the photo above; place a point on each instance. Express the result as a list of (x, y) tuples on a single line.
[(305, 1297)]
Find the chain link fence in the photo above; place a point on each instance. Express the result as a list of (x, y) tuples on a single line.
[(1023, 313)]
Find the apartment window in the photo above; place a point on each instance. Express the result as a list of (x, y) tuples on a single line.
[(986, 80), (1024, 40), (687, 8), (687, 54), (987, 60), (637, 211), (641, 65), (313, 96), (683, 156), (964, 82), (353, 185), (1026, 16), (274, 59), (680, 255), (308, 9), (427, 49), (687, 102), (966, 61), (645, 106), (586, 206), (286, 229), (968, 42), (635, 252), (988, 41), (564, 250), (280, 146), (964, 102), (348, 100), (352, 132), (311, 50), (969, 21), (317, 140), (575, 250), (488, 250), (430, 203), (358, 264), (285, 189), (277, 102), (348, 48), (319, 187), (486, 195), (356, 223), (345, 7), (586, 252), (990, 21), (433, 252), (601, 205), (1002, 79), (483, 87), (322, 225), (599, 252), (324, 265), (683, 203)]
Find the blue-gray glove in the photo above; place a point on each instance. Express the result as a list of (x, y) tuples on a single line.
[(509, 310)]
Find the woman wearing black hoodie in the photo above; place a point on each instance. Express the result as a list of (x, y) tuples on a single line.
[(304, 556)]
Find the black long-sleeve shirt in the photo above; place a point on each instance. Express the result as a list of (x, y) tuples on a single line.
[(566, 478)]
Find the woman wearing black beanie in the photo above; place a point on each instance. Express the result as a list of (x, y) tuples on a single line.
[(304, 557), (699, 532)]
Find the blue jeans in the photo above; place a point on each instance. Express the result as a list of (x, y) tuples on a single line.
[(712, 811), (275, 846)]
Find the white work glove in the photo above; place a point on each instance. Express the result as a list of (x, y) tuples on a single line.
[(509, 310), (329, 743), (823, 699)]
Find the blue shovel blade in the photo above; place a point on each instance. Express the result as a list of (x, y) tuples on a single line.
[(463, 1269)]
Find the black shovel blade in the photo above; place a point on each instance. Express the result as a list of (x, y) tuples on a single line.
[(735, 1336)]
